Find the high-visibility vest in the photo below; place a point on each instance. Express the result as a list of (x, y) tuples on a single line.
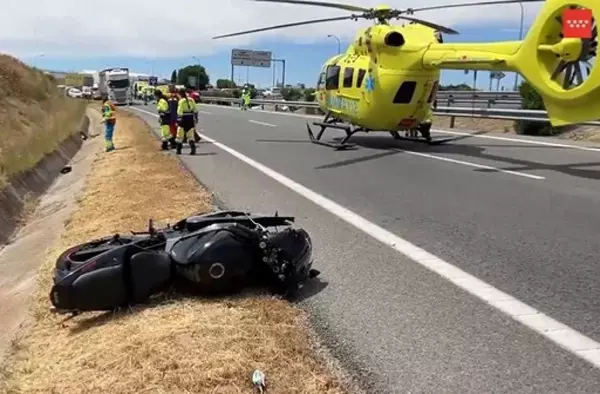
[(108, 111), (162, 106)]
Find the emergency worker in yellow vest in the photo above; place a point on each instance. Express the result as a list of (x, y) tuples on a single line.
[(246, 99), (109, 120), (164, 118), (173, 103), (187, 117)]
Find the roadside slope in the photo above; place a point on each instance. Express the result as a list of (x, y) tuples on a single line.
[(178, 345), (39, 134), (35, 117)]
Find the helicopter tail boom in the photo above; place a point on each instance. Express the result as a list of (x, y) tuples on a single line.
[(561, 69), (472, 56)]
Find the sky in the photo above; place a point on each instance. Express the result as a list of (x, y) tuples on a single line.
[(154, 36)]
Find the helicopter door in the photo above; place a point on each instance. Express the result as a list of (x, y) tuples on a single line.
[(433, 94), (321, 81)]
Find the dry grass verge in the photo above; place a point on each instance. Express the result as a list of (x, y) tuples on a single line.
[(35, 117), (179, 345)]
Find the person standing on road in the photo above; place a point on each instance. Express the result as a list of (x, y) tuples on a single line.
[(164, 116), (187, 118), (245, 99), (109, 120), (173, 104)]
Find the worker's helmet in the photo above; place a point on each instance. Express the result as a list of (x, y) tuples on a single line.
[(182, 92)]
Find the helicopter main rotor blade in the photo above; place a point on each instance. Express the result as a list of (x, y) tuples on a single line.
[(339, 6), (440, 7), (339, 18), (435, 26)]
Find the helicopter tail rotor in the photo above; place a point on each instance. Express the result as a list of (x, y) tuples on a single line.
[(563, 70)]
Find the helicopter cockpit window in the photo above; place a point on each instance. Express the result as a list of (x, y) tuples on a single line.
[(361, 76), (348, 74), (405, 92), (321, 83), (333, 78)]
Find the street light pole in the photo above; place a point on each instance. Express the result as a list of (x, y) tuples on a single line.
[(338, 42), (198, 77), (520, 38)]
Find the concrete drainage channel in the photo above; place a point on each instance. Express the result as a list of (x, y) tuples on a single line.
[(54, 186), (27, 187)]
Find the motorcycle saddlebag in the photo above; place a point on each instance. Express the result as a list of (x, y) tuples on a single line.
[(100, 284)]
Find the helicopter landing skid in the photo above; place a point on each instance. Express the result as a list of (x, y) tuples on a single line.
[(428, 141), (331, 122)]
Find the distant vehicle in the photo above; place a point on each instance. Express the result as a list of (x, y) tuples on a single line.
[(75, 93), (86, 91), (116, 85), (138, 88), (96, 95), (273, 93)]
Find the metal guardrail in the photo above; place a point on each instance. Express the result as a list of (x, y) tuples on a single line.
[(480, 99), (480, 93), (452, 112)]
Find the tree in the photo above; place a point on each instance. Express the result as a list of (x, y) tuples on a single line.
[(195, 70), (533, 100), (309, 95), (291, 94), (174, 76), (462, 87), (225, 84)]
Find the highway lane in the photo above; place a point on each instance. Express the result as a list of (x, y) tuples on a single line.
[(400, 325), (506, 153), (541, 233)]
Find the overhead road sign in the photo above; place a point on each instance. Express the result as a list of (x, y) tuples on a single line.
[(248, 58)]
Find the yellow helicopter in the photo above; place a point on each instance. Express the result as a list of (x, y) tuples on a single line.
[(388, 77)]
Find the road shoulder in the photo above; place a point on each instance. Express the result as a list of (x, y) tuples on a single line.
[(176, 344)]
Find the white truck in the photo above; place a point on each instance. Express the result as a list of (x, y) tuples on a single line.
[(115, 83)]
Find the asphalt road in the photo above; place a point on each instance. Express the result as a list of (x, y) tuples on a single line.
[(520, 216)]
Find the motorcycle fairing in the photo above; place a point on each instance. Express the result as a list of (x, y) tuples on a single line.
[(217, 258)]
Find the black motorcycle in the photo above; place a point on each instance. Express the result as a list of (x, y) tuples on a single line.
[(211, 253)]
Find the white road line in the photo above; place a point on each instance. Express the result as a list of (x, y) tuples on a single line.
[(461, 133), (521, 140), (260, 111), (466, 163), (204, 112), (557, 332), (262, 123)]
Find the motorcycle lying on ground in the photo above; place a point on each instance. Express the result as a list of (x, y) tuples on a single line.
[(213, 253)]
